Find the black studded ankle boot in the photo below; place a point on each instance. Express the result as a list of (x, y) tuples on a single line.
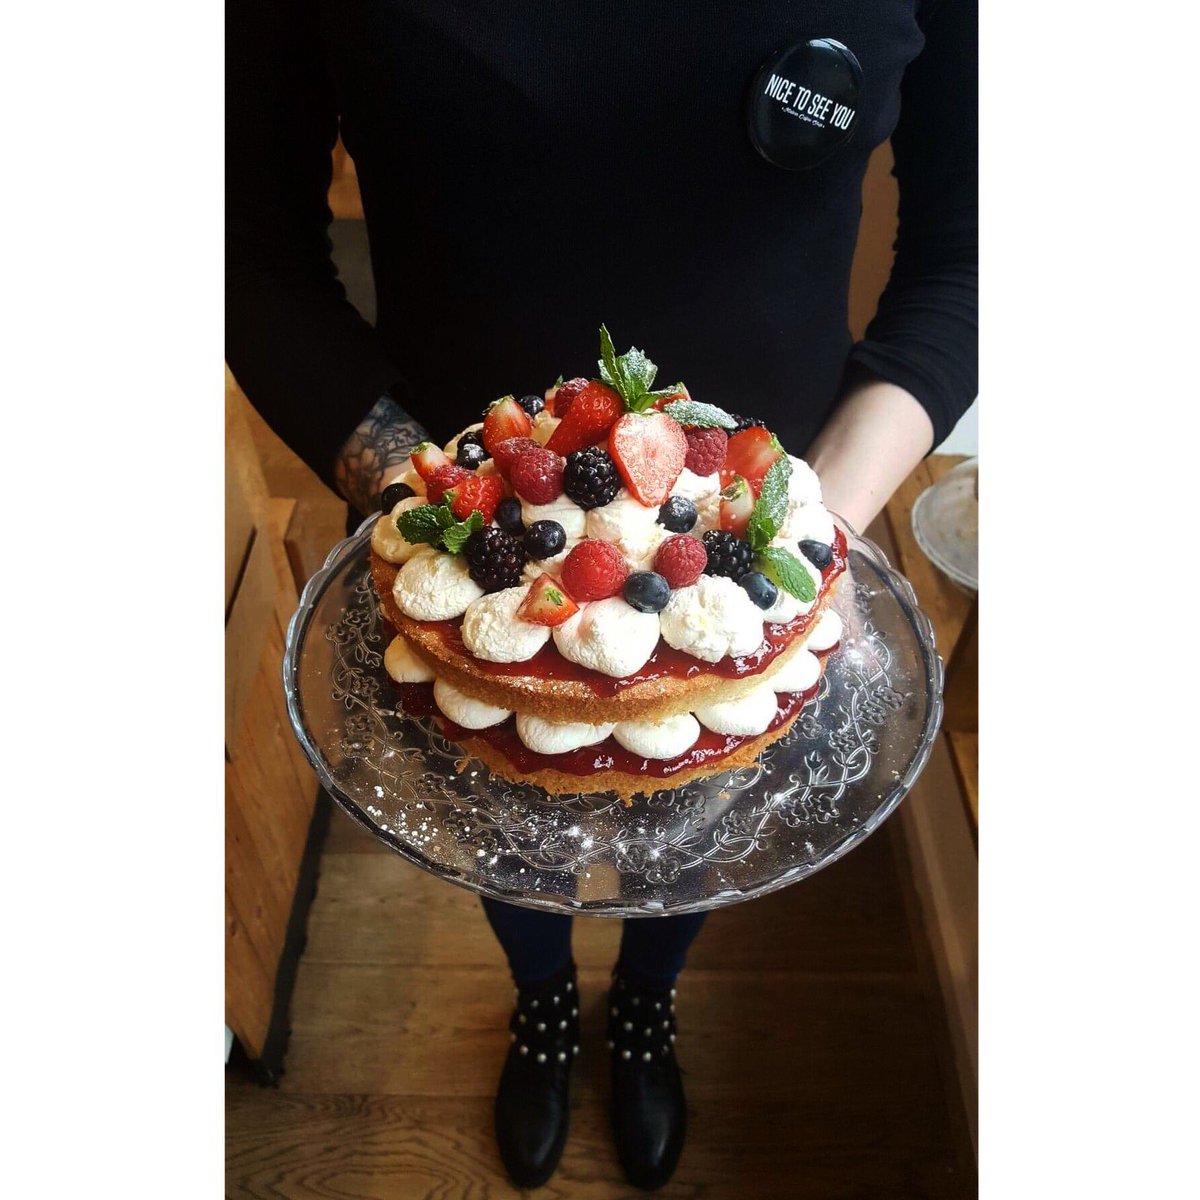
[(532, 1105), (649, 1113)]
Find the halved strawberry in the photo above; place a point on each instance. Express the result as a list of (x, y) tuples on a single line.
[(548, 602), (750, 455), (505, 419), (427, 458), (564, 395), (509, 450), (649, 450), (737, 503), (482, 492), (593, 412), (443, 478)]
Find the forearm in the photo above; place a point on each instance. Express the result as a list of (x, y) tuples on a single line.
[(375, 452), (868, 447)]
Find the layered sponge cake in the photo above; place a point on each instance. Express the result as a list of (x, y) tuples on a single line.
[(608, 588)]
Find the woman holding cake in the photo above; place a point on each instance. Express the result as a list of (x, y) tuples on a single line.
[(691, 175)]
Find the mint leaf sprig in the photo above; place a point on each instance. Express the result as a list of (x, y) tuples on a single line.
[(631, 375), (699, 415), (435, 524), (779, 565)]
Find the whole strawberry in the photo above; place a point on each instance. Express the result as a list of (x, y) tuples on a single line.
[(706, 450), (593, 412)]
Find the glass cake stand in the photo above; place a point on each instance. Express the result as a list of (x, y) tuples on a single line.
[(847, 762)]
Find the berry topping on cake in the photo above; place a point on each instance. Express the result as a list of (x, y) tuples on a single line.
[(427, 458), (681, 560), (508, 451), (564, 395), (470, 455), (532, 405), (590, 478), (706, 450), (494, 559), (393, 494), (727, 555), (545, 539), (759, 588), (737, 503), (537, 476), (443, 478), (482, 493), (678, 514), (647, 591), (592, 413), (508, 516), (741, 423), (817, 553), (505, 419), (750, 455), (547, 602), (594, 570), (649, 449)]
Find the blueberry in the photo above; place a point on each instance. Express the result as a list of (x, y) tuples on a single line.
[(817, 553), (678, 514), (759, 588), (544, 539), (647, 591), (393, 494), (508, 516), (532, 405), (471, 455)]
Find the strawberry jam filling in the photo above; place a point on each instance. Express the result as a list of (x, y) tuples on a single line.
[(666, 661), (609, 755)]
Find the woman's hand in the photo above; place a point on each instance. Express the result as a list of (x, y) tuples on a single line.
[(876, 436)]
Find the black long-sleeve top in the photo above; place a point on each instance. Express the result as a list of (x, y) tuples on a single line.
[(531, 170)]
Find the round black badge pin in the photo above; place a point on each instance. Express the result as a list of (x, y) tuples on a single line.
[(803, 103)]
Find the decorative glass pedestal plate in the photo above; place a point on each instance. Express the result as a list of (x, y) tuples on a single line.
[(847, 762)]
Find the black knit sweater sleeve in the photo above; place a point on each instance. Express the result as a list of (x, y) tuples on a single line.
[(304, 356), (924, 336)]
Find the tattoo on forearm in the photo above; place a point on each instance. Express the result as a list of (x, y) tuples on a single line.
[(385, 437)]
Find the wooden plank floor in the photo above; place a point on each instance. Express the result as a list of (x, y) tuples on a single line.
[(807, 1033)]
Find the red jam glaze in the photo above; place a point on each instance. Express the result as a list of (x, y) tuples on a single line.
[(666, 661), (608, 755)]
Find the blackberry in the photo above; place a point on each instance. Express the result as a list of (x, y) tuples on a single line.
[(494, 559), (746, 423), (759, 588), (473, 437), (532, 405), (470, 455), (727, 555), (678, 514), (817, 553), (508, 516), (393, 494), (590, 478)]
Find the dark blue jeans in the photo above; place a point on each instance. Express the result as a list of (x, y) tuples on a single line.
[(538, 944)]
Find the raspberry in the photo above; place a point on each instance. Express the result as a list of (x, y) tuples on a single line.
[(681, 560), (590, 478), (727, 555), (507, 453), (494, 559), (443, 478), (537, 476), (594, 570), (565, 393), (706, 450)]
